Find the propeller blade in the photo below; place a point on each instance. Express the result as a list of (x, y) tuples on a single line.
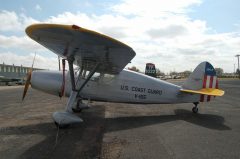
[(28, 81), (27, 85)]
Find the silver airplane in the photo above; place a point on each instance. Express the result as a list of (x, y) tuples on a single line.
[(100, 75)]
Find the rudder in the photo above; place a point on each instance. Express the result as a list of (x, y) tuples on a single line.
[(203, 76)]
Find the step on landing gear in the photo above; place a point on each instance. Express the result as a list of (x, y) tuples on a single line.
[(195, 108)]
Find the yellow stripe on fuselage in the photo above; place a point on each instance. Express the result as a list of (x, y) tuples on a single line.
[(205, 91)]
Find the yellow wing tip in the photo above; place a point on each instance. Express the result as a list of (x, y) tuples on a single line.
[(206, 91), (36, 26), (213, 91)]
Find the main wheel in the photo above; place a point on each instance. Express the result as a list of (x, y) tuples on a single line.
[(77, 110), (195, 109), (61, 126)]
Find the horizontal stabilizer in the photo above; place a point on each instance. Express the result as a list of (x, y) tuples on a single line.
[(205, 91)]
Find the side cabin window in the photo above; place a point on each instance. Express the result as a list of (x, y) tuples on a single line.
[(108, 78), (100, 77), (85, 73), (97, 77)]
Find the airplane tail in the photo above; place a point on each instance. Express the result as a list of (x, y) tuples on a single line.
[(203, 81), (150, 70)]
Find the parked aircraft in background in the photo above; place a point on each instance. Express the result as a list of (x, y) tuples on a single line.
[(11, 81), (101, 75)]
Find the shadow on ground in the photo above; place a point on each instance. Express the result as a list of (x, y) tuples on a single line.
[(78, 141), (85, 140), (205, 120)]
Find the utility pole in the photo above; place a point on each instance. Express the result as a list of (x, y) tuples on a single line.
[(238, 66), (234, 71), (59, 67)]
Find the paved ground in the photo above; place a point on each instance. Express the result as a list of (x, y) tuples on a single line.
[(120, 130)]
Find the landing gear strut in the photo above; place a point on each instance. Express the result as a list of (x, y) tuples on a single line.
[(67, 117), (80, 105), (195, 108), (77, 109)]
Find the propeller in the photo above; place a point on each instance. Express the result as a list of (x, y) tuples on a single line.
[(28, 81)]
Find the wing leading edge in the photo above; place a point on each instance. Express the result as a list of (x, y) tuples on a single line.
[(86, 47)]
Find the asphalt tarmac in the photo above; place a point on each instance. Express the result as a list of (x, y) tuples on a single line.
[(121, 131)]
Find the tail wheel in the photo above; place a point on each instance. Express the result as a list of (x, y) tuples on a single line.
[(195, 108)]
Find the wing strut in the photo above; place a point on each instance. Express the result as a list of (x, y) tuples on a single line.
[(76, 91), (66, 118), (70, 63), (88, 78)]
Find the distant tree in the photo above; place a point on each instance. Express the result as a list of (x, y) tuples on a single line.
[(173, 73), (159, 73), (186, 73), (219, 71), (238, 72), (133, 68)]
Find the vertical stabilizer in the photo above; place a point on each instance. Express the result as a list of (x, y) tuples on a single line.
[(204, 76)]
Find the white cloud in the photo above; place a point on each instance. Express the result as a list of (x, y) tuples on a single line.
[(10, 21), (159, 31), (26, 60), (168, 32), (23, 42), (38, 7), (154, 8)]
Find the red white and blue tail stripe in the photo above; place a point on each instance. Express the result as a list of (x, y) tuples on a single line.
[(210, 81), (203, 81)]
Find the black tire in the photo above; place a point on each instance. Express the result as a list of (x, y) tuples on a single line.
[(76, 110), (195, 110), (62, 126)]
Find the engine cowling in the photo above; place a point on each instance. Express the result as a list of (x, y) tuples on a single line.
[(47, 81)]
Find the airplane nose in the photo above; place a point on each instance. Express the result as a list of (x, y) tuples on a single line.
[(47, 81)]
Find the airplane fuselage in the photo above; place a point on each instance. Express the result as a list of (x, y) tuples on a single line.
[(125, 87)]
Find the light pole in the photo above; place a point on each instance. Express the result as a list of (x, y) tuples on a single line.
[(238, 66), (59, 67), (234, 71)]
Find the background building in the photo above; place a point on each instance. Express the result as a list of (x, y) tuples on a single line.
[(9, 72)]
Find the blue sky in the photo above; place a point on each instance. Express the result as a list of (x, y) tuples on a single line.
[(221, 15), (53, 8), (163, 32)]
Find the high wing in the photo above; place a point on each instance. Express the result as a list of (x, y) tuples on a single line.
[(86, 47)]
